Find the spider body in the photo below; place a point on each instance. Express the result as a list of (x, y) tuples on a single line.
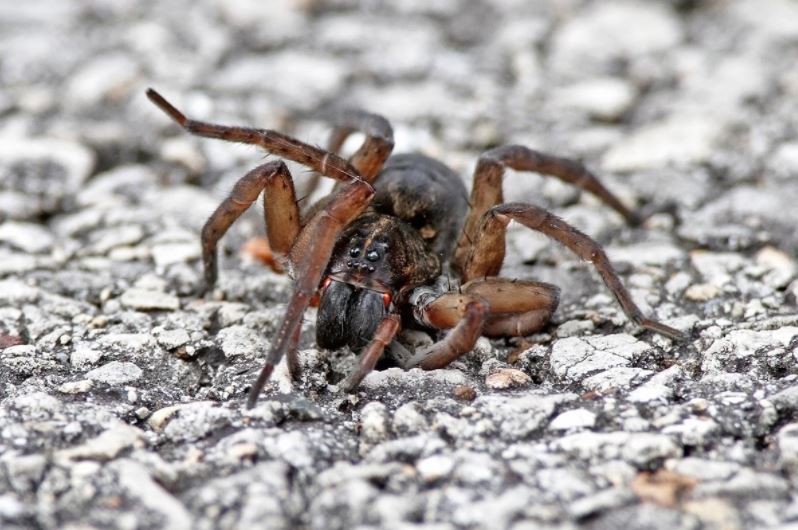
[(404, 240), (376, 249)]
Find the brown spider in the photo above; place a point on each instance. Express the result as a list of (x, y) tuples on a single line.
[(375, 249)]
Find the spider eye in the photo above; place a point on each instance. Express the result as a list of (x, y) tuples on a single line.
[(372, 255), (354, 252)]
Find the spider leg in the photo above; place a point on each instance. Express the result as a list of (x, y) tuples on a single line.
[(279, 207), (487, 253), (386, 330), (517, 307), (487, 186), (315, 158), (310, 253), (509, 308), (460, 340), (377, 146)]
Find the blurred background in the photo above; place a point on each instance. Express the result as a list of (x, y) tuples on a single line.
[(685, 100)]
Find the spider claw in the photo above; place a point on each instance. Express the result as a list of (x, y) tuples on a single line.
[(662, 329), (254, 392)]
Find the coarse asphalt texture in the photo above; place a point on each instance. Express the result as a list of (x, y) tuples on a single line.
[(122, 391)]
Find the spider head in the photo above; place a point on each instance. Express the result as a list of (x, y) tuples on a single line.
[(376, 258)]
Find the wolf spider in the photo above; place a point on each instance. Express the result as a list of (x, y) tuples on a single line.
[(375, 249)]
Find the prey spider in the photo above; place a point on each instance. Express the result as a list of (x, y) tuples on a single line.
[(375, 249)]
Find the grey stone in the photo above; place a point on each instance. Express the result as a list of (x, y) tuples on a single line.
[(173, 338), (29, 237), (241, 341), (115, 373), (38, 174), (106, 446), (620, 378), (678, 141), (319, 74), (636, 29), (84, 355), (575, 358), (194, 422), (518, 417)]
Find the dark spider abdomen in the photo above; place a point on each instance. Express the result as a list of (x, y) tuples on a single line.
[(427, 195)]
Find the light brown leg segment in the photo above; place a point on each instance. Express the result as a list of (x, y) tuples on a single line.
[(517, 307), (279, 207), (487, 186), (385, 333), (488, 252), (457, 342)]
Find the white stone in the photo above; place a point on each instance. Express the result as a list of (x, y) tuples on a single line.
[(148, 300), (106, 77), (160, 418), (165, 254), (606, 98), (434, 468), (374, 422), (573, 419), (76, 387)]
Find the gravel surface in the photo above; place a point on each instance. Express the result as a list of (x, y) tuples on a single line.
[(122, 390)]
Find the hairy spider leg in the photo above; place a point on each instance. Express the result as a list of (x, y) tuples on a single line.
[(487, 254), (312, 246), (386, 331), (280, 211), (487, 186)]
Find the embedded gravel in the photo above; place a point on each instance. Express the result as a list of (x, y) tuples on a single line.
[(122, 390)]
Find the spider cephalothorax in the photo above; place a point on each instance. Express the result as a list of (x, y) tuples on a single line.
[(375, 249)]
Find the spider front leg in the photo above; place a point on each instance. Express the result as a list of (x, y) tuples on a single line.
[(386, 331), (315, 158), (310, 254), (487, 253), (280, 211), (487, 187), (493, 307)]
